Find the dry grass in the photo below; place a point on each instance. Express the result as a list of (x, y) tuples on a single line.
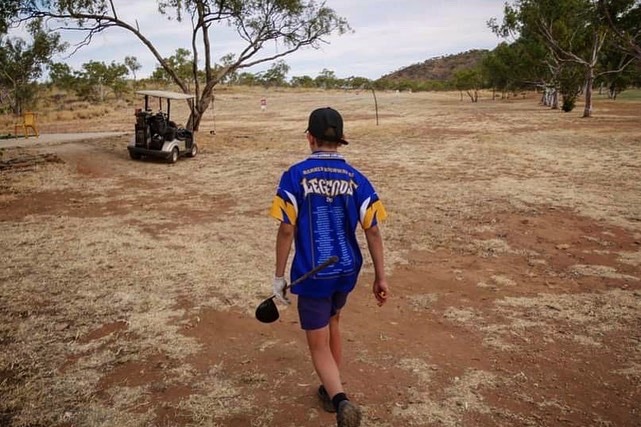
[(129, 241), (462, 395)]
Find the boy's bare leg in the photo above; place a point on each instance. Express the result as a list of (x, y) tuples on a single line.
[(335, 343), (325, 365)]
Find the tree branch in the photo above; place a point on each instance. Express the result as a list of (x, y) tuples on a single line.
[(556, 49), (619, 70), (621, 35), (105, 21)]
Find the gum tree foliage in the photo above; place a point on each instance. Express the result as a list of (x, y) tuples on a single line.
[(287, 24), (92, 81), (516, 66), (132, 64), (303, 81), (247, 79), (624, 19), (226, 61), (357, 82), (469, 80), (525, 61), (8, 10), (617, 82), (95, 77), (326, 79), (499, 67), (61, 76), (22, 63), (573, 32), (182, 64), (571, 77), (276, 75)]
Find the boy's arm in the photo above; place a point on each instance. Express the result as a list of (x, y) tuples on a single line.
[(375, 246), (284, 239)]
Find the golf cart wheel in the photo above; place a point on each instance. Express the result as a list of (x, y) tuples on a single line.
[(194, 150), (174, 155), (135, 156)]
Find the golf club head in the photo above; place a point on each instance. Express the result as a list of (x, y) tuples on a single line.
[(267, 312)]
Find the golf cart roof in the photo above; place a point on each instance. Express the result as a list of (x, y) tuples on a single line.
[(165, 94)]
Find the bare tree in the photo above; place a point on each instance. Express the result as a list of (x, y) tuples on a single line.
[(292, 24)]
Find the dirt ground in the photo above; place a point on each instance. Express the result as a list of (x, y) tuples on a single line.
[(513, 247)]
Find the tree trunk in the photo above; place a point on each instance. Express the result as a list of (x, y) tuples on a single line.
[(375, 103), (555, 100), (613, 91), (473, 94), (194, 120), (589, 81), (199, 108)]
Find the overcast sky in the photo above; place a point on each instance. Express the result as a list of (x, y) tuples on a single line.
[(388, 35)]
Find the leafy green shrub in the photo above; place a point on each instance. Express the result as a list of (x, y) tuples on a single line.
[(569, 102)]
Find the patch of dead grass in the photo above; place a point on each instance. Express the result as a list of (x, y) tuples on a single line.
[(631, 258), (462, 395), (632, 370), (589, 315), (497, 281), (420, 302), (462, 315), (600, 271)]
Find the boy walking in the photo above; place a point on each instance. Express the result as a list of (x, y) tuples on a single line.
[(319, 203)]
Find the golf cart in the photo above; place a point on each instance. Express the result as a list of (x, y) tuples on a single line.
[(158, 136)]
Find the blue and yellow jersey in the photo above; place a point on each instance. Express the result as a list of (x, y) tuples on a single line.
[(325, 198)]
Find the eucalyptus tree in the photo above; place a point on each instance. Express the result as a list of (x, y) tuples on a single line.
[(326, 79), (516, 66), (276, 75), (302, 81), (132, 64), (96, 76), (469, 80), (288, 24), (526, 61), (573, 32), (22, 62)]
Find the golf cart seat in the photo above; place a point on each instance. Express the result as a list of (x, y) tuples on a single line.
[(170, 133), (158, 124), (161, 126)]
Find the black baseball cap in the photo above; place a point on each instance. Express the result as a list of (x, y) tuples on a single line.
[(326, 124)]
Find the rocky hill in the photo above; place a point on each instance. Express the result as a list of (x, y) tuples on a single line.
[(438, 69)]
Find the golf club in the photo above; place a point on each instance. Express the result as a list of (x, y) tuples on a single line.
[(267, 312)]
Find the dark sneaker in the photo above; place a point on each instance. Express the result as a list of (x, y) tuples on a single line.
[(326, 401), (349, 415)]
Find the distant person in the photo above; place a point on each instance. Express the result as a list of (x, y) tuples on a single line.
[(319, 202)]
